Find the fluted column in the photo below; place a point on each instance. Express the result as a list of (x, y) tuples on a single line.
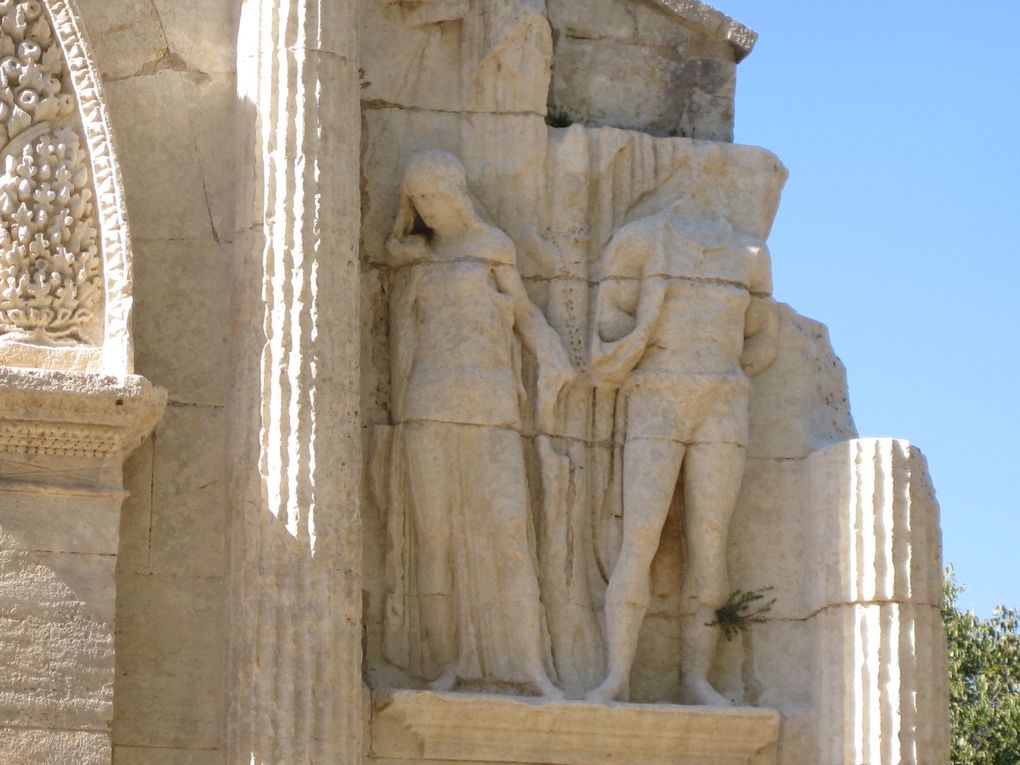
[(296, 539), (881, 679)]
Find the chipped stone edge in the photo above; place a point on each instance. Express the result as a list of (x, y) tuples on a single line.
[(111, 209), (716, 22)]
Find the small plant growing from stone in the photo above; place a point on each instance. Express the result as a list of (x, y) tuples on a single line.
[(741, 610)]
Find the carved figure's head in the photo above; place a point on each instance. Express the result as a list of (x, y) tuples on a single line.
[(434, 195)]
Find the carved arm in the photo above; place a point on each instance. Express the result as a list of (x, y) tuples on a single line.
[(555, 371), (761, 322), (612, 361), (761, 335), (403, 250)]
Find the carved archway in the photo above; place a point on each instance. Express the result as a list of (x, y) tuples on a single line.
[(65, 275)]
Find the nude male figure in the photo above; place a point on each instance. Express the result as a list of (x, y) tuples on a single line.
[(683, 316)]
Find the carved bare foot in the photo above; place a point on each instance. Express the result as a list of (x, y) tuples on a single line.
[(701, 693), (445, 682), (613, 689), (543, 686)]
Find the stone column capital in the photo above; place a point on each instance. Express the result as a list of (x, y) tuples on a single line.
[(48, 415)]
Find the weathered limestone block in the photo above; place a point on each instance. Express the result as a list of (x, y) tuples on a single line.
[(63, 439), (28, 747), (649, 90), (128, 36), (166, 122), (663, 67), (147, 755), (182, 321), (196, 31), (171, 642), (188, 521), (419, 727), (801, 402), (456, 56)]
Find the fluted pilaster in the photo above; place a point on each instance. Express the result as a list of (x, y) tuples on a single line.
[(296, 542), (881, 653)]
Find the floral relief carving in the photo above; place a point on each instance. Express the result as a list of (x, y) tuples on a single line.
[(51, 281), (50, 275)]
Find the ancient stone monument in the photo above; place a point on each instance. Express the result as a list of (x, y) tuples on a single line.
[(480, 419)]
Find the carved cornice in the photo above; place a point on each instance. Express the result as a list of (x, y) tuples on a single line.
[(75, 414), (715, 22)]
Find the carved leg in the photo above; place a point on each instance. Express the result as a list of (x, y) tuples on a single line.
[(650, 471), (434, 487), (712, 477)]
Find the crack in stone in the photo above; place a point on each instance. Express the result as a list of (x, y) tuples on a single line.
[(379, 104), (862, 603)]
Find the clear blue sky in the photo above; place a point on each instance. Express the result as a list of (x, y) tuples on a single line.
[(900, 125)]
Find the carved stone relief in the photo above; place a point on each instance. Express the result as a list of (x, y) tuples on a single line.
[(587, 420), (50, 267), (460, 55), (465, 603), (682, 316), (495, 436), (65, 292)]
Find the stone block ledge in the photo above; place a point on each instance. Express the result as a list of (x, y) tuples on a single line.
[(420, 726), (46, 413)]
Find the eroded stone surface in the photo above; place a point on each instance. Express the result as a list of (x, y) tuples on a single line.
[(566, 267), (171, 662), (666, 68), (410, 724), (54, 233), (243, 563), (63, 437), (587, 210)]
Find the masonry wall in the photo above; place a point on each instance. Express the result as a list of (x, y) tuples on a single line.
[(169, 73), (640, 66)]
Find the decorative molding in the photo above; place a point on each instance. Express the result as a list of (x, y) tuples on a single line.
[(59, 489), (65, 261), (742, 38), (111, 208), (46, 413), (58, 439)]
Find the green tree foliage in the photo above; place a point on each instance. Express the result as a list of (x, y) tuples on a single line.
[(984, 682)]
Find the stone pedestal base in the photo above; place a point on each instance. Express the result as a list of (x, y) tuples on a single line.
[(420, 727), (63, 440)]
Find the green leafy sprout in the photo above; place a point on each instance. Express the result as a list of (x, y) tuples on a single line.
[(741, 610)]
